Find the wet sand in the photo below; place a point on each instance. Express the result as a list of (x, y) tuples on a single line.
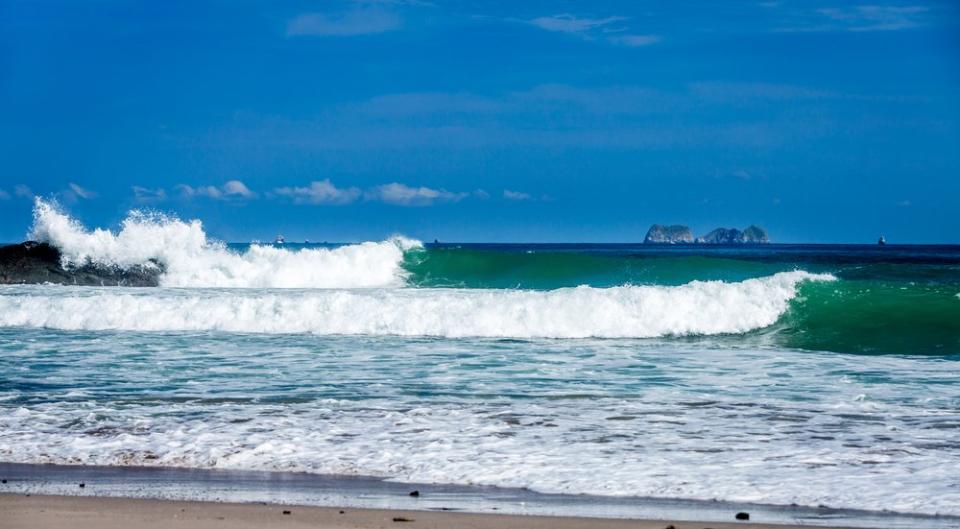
[(19, 511), (90, 496)]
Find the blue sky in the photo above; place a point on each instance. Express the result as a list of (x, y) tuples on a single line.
[(827, 121)]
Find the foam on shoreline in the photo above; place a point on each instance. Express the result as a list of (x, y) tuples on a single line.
[(278, 488)]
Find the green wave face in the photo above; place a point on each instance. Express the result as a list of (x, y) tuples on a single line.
[(874, 317), (900, 302), (546, 269)]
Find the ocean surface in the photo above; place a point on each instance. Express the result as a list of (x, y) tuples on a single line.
[(777, 374)]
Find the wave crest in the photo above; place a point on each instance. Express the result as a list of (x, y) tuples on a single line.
[(696, 308), (190, 259)]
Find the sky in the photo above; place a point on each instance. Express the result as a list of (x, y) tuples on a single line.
[(553, 121)]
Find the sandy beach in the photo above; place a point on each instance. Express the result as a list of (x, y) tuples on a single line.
[(55, 512)]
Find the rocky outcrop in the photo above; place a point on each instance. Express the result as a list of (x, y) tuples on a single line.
[(35, 262), (755, 235), (659, 234), (751, 235), (675, 234), (722, 236)]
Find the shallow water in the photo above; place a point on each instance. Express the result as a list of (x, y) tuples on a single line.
[(608, 417)]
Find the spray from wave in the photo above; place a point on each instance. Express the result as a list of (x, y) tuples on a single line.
[(697, 308), (190, 259)]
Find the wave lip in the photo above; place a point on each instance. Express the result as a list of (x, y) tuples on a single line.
[(188, 258), (696, 308)]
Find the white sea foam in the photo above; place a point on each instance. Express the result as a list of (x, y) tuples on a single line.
[(191, 259), (697, 308), (585, 417)]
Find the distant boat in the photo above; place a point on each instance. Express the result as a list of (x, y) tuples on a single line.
[(882, 240), (279, 240)]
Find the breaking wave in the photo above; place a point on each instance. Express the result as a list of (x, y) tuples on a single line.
[(190, 259), (696, 308)]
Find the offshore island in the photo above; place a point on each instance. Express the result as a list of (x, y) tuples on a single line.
[(680, 234)]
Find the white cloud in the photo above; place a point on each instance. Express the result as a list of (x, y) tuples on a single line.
[(567, 23), (4, 195), (403, 195), (22, 191), (877, 18), (606, 29), (237, 188), (147, 195), (203, 191), (80, 192), (863, 18), (635, 41), (361, 21), (515, 195), (322, 192), (232, 189)]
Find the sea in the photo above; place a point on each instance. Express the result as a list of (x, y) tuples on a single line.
[(775, 374)]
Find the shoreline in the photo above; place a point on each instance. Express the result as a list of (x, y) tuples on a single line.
[(56, 512), (148, 489)]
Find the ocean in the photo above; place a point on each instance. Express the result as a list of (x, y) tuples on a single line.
[(773, 374)]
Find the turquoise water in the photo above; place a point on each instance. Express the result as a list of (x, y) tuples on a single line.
[(607, 417), (612, 370), (903, 299)]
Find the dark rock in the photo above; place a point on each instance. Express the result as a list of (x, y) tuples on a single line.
[(722, 236), (755, 235), (401, 519), (751, 235), (82, 485), (743, 516), (341, 512), (675, 234), (415, 494), (286, 512), (37, 262), (3, 481)]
